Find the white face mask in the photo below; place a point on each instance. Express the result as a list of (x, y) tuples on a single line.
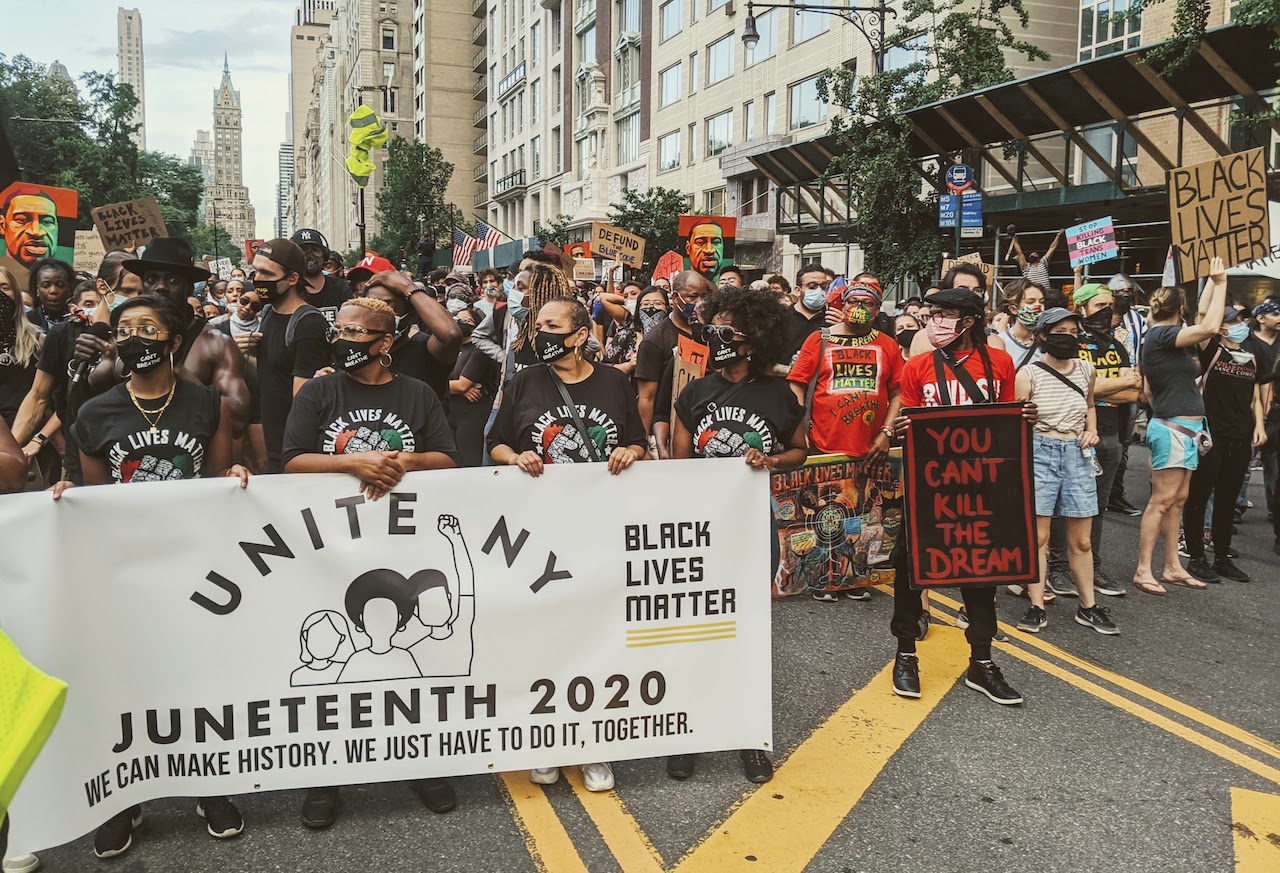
[(631, 306)]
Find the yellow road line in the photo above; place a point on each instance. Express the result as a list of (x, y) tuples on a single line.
[(784, 824), (622, 834), (672, 642), (1185, 710), (1255, 831), (544, 835), (680, 627)]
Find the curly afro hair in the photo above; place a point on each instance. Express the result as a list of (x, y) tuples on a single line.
[(760, 316)]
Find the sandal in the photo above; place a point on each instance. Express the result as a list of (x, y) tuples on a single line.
[(1150, 587), (1189, 582)]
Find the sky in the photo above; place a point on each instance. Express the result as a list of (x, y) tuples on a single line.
[(183, 43)]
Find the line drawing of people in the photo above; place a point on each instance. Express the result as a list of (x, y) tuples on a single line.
[(436, 648), (325, 646), (379, 604)]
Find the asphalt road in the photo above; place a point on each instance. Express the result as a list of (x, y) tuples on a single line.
[(1123, 758)]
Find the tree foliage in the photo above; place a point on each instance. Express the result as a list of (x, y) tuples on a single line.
[(412, 200), (202, 238), (557, 233), (965, 46), (653, 214)]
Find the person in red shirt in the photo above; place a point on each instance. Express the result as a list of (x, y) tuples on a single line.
[(957, 332)]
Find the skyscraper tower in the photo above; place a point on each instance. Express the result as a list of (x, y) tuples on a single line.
[(227, 199), (129, 66)]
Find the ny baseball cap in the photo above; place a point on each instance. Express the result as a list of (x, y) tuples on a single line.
[(309, 237)]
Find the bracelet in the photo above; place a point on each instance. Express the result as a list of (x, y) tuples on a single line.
[(887, 431)]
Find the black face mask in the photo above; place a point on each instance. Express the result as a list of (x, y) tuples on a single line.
[(138, 355), (651, 318), (269, 289), (723, 353), (349, 356), (1100, 321), (551, 346), (466, 327), (1063, 346), (1122, 304)]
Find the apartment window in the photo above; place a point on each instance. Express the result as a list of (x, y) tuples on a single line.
[(627, 70), (770, 114), (587, 45), (693, 73), (535, 147), (557, 149), (713, 5), (669, 85), (557, 31), (584, 155), (535, 101), (693, 142), (535, 42), (755, 196), (670, 16), (521, 53), (713, 201), (1103, 31), (388, 39), (629, 15), (767, 47), (807, 25), (557, 89), (519, 118), (388, 71), (669, 151), (629, 138), (719, 133), (806, 108), (389, 100), (582, 93), (720, 60), (914, 51), (748, 121)]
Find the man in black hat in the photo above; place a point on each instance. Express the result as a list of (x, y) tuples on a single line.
[(324, 292)]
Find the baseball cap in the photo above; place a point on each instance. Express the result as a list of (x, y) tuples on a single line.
[(962, 299), (1053, 316), (1088, 291), (368, 266), (1230, 314), (309, 237), (285, 253)]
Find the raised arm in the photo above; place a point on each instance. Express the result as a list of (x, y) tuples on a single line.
[(1053, 247), (1212, 301)]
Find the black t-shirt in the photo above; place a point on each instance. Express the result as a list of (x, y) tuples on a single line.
[(110, 427), (336, 415), (413, 358), (278, 364), (533, 416), (1108, 357), (55, 355), (727, 418), (1228, 386), (329, 299), (478, 367), (15, 383), (656, 349), (801, 327)]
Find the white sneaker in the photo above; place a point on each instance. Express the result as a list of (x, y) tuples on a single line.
[(597, 777), (22, 864), (545, 776)]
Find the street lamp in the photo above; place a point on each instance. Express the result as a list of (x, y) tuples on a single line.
[(869, 20)]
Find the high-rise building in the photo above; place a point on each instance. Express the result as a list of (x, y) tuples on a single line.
[(129, 66), (226, 199), (284, 190)]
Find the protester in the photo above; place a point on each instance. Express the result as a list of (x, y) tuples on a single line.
[(321, 290), (622, 336), (428, 354), (1061, 387), (1266, 329), (1025, 300), (1129, 331), (731, 276), (130, 434), (1035, 268), (50, 283), (333, 265), (19, 349), (779, 285), (905, 322), (657, 349), (962, 275), (809, 313), (472, 387), (1176, 428)]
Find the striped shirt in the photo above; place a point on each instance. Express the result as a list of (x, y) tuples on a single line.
[(1060, 408), (1037, 273)]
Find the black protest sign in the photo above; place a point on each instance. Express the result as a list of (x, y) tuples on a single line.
[(969, 496), (1219, 209)]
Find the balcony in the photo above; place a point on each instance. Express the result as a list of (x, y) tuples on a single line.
[(480, 200), (511, 81), (481, 117), (478, 8), (481, 29), (480, 172), (510, 185), (480, 61), (481, 90), (481, 145)]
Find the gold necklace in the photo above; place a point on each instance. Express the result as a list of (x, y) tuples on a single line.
[(146, 415)]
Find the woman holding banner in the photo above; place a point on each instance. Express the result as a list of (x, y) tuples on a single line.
[(740, 409), (154, 427)]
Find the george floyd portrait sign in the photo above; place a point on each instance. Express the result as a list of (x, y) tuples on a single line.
[(708, 242), (968, 492), (335, 641), (36, 221)]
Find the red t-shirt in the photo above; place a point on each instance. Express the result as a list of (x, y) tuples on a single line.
[(851, 398), (920, 380)]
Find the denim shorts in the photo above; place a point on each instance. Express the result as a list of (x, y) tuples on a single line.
[(1171, 450), (1064, 480)]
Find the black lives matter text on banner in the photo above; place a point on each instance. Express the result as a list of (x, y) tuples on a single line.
[(1219, 209), (335, 641), (969, 496), (129, 224), (618, 244)]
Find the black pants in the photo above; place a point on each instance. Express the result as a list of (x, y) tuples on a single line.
[(979, 606), (1128, 417), (1221, 473)]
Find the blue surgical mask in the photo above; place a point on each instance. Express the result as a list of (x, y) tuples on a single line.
[(515, 303), (687, 309), (815, 300), (508, 286), (1238, 332)]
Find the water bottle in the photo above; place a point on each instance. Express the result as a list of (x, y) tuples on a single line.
[(1091, 456)]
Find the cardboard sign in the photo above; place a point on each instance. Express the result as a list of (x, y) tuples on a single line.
[(708, 244), (611, 271), (223, 268), (579, 250), (690, 363), (969, 483), (1219, 209), (89, 252), (130, 224), (838, 521), (36, 221), (1091, 242), (251, 249), (584, 270), (668, 266), (613, 242), (988, 271)]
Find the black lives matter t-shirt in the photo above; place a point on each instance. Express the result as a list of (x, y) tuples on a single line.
[(727, 418), (1108, 357), (1228, 387), (533, 416), (329, 299), (110, 427), (279, 363), (336, 415)]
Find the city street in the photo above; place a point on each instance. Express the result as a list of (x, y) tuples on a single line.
[(1151, 751)]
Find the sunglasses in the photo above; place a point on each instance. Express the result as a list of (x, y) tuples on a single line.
[(726, 333)]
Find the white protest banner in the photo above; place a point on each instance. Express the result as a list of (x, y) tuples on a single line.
[(223, 266), (456, 626), (614, 242), (584, 269)]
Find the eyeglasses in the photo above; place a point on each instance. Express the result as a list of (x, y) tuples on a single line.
[(146, 331), (726, 333), (353, 333), (815, 286), (939, 317)]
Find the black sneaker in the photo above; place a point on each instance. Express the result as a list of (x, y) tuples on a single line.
[(962, 622), (221, 816), (1122, 506), (320, 807), (986, 677), (1199, 567), (906, 675), (826, 596), (1227, 569), (1104, 584), (1034, 621), (858, 594), (1231, 551), (1060, 583), (1098, 619), (756, 766), (922, 625), (436, 795), (116, 836), (680, 767)]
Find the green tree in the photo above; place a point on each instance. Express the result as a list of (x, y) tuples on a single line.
[(411, 202), (202, 238), (967, 46), (653, 214), (555, 234)]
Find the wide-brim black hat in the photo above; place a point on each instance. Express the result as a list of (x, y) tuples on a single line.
[(171, 254)]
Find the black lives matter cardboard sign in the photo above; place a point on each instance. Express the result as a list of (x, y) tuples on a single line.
[(969, 496), (130, 224), (1219, 209)]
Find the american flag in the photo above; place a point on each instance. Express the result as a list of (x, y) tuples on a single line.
[(464, 247), (488, 236)]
